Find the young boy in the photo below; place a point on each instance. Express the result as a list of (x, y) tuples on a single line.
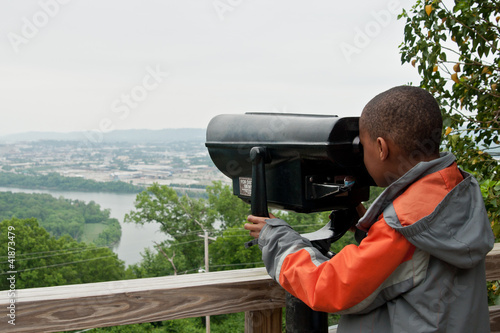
[(421, 266)]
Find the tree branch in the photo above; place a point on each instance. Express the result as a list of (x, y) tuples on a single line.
[(166, 256)]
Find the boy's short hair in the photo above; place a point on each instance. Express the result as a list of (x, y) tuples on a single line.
[(410, 116)]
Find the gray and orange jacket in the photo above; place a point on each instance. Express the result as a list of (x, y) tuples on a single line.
[(420, 268)]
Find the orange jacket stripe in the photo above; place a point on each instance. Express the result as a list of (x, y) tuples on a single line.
[(356, 271)]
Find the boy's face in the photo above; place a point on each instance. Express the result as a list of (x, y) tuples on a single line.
[(372, 157)]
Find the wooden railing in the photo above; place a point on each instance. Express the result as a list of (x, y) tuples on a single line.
[(124, 302)]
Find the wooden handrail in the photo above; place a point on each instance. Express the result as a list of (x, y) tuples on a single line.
[(73, 307), (124, 302)]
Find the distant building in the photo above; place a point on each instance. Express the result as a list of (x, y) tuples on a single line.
[(125, 175)]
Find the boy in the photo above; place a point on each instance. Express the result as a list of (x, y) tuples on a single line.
[(421, 266)]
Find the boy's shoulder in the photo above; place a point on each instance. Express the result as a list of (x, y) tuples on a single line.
[(422, 196)]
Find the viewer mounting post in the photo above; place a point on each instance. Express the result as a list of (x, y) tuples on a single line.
[(299, 317), (259, 158)]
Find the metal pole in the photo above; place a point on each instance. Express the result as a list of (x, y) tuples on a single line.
[(206, 238), (207, 318), (206, 250)]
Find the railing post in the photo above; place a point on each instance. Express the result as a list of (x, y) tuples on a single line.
[(263, 321)]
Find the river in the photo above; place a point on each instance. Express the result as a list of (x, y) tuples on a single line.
[(134, 237)]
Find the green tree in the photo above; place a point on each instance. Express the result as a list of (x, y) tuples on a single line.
[(55, 181), (60, 216), (234, 322), (42, 260), (228, 251), (225, 206), (182, 218), (455, 50)]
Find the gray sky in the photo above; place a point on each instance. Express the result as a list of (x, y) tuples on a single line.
[(68, 65)]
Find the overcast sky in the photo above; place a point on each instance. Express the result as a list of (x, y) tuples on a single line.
[(119, 64)]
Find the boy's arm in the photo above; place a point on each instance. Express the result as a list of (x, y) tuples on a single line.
[(350, 282)]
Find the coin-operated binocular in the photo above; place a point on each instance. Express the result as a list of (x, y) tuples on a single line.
[(304, 163)]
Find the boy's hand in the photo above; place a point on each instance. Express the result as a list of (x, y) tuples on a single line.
[(256, 224), (361, 210)]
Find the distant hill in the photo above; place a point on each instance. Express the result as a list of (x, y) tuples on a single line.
[(132, 136)]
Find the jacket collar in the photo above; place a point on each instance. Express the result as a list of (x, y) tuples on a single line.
[(399, 186)]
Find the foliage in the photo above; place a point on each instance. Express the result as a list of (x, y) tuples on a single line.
[(111, 234), (493, 292), (234, 322), (225, 207), (57, 182), (455, 50), (228, 251), (187, 325), (60, 216), (182, 218), (42, 260)]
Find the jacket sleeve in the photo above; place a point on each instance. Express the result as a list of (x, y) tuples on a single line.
[(350, 282)]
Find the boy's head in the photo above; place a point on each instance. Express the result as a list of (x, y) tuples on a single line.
[(399, 128)]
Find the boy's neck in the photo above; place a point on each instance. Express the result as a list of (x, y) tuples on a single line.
[(402, 163)]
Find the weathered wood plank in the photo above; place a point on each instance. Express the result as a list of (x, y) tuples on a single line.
[(266, 321), (493, 264), (143, 300), (495, 318)]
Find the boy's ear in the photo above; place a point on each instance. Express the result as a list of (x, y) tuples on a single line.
[(383, 148)]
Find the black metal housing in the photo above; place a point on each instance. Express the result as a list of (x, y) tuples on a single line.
[(307, 158)]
